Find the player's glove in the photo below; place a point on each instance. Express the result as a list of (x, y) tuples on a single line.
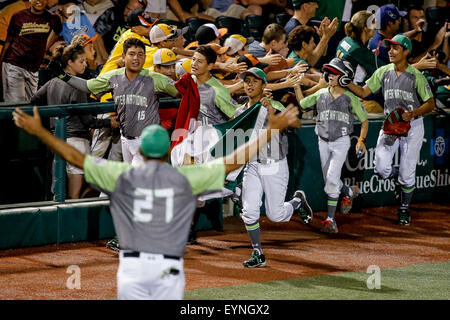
[(395, 125)]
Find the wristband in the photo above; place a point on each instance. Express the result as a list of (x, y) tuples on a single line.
[(363, 140)]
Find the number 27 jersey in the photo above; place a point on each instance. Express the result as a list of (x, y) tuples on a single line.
[(152, 205)]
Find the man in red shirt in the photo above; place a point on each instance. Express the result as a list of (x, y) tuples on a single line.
[(28, 39)]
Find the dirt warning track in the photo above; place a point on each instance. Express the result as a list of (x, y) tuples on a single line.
[(292, 250)]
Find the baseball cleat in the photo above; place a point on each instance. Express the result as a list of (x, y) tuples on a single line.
[(329, 226), (255, 261), (192, 238), (404, 219), (347, 202), (113, 244), (303, 209)]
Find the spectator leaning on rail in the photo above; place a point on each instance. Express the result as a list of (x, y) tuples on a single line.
[(30, 32)]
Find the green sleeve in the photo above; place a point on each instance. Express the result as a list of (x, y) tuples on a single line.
[(103, 173), (311, 100), (357, 107), (101, 83), (277, 105), (163, 84), (205, 177), (423, 87), (374, 82), (223, 99)]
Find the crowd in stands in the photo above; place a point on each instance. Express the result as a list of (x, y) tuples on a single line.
[(290, 40)]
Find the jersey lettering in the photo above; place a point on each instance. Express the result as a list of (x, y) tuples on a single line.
[(327, 115), (398, 94), (131, 99), (143, 203), (345, 45)]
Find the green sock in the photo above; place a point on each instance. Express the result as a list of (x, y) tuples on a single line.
[(406, 197), (332, 204), (254, 232)]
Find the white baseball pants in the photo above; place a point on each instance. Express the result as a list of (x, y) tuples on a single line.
[(130, 151), (409, 154), (332, 158), (148, 278), (272, 180)]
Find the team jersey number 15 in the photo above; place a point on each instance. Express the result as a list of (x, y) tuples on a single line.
[(143, 203)]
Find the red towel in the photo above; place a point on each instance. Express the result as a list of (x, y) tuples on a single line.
[(167, 117), (189, 106)]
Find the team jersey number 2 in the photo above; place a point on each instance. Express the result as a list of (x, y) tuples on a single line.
[(143, 203)]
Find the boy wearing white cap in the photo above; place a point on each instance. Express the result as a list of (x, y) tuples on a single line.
[(238, 45)]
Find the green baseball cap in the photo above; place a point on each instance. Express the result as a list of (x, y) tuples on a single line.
[(155, 141), (400, 40), (256, 72)]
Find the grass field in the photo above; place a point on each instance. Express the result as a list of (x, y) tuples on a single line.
[(429, 281)]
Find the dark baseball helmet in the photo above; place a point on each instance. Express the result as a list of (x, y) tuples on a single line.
[(339, 67)]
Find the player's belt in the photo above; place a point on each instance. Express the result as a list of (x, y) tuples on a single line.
[(137, 254), (267, 161), (130, 137)]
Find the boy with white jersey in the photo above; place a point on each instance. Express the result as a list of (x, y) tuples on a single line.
[(335, 107)]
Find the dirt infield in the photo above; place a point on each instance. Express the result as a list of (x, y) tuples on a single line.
[(292, 250)]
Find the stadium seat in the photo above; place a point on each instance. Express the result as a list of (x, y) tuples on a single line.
[(282, 18), (178, 24), (193, 23), (233, 25), (255, 25)]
